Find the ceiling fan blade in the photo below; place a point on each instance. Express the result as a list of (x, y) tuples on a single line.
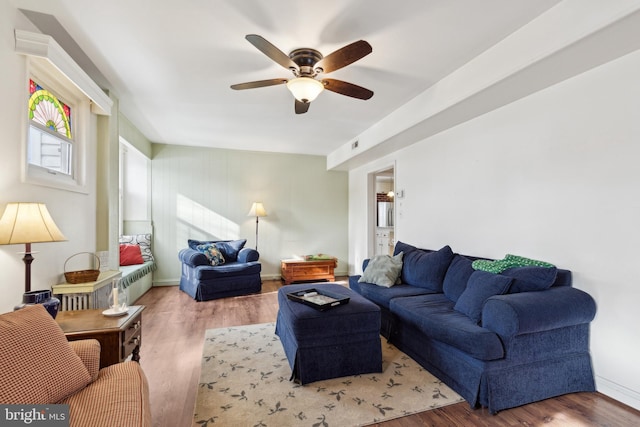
[(271, 51), (302, 107), (259, 83), (344, 56), (348, 89)]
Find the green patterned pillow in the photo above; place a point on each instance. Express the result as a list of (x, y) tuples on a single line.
[(509, 261), (382, 270), (212, 253)]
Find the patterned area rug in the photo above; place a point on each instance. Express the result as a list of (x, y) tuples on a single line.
[(244, 381)]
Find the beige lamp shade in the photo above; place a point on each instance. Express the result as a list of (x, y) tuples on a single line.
[(28, 223), (257, 210)]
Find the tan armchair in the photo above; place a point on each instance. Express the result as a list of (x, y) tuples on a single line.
[(39, 366)]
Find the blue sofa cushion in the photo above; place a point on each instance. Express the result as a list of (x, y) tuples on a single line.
[(527, 279), (434, 313), (424, 268), (383, 270), (229, 248), (382, 296), (457, 276), (227, 270), (480, 287)]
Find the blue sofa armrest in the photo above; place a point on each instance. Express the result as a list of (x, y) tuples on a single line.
[(528, 312), (192, 257), (248, 255)]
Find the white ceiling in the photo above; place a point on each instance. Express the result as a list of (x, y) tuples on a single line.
[(171, 63)]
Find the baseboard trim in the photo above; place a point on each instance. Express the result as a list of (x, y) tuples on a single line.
[(175, 282), (279, 277), (618, 392)]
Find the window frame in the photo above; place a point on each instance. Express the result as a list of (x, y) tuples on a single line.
[(51, 66), (57, 136), (80, 105)]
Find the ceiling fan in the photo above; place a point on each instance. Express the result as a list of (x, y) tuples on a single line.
[(306, 64)]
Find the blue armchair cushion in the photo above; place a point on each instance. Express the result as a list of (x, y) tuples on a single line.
[(527, 279), (383, 270), (480, 287), (229, 248), (457, 276), (213, 254), (248, 255), (228, 270), (422, 268)]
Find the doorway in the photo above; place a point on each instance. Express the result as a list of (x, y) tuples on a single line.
[(383, 224)]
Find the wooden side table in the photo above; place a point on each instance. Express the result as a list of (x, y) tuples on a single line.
[(296, 270), (119, 337)]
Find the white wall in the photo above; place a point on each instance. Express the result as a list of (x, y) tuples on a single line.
[(202, 193), (554, 176), (74, 213)]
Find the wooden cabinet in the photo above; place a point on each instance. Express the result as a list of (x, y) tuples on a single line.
[(384, 242), (119, 337), (295, 270)]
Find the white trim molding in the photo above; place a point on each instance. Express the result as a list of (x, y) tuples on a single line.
[(45, 47), (618, 392)]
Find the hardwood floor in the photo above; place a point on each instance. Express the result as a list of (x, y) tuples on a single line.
[(173, 331)]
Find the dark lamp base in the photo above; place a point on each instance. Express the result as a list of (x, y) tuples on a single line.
[(51, 304)]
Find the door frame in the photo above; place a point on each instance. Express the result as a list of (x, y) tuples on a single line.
[(372, 205)]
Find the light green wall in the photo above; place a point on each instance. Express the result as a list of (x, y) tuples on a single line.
[(133, 136), (204, 193), (107, 193)]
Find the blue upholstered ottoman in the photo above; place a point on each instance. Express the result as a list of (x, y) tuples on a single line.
[(342, 341)]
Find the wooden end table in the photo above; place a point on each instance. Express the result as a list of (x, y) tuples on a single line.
[(119, 337), (297, 270)]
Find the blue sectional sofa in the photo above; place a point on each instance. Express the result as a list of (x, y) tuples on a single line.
[(237, 274), (500, 340)]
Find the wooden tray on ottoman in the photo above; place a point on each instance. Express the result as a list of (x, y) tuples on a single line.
[(320, 300)]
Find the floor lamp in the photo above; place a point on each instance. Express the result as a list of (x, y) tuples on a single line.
[(28, 223), (258, 211)]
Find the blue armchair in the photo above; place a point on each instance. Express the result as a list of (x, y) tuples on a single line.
[(238, 274)]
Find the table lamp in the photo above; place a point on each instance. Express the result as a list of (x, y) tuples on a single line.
[(28, 223), (258, 211)]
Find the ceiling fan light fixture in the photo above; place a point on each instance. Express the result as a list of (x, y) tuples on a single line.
[(305, 89)]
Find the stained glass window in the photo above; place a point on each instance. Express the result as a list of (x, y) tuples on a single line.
[(50, 144), (46, 109)]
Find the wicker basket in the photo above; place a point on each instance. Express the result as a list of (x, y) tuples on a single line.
[(81, 276)]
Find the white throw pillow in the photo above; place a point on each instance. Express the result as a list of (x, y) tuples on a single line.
[(382, 270)]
